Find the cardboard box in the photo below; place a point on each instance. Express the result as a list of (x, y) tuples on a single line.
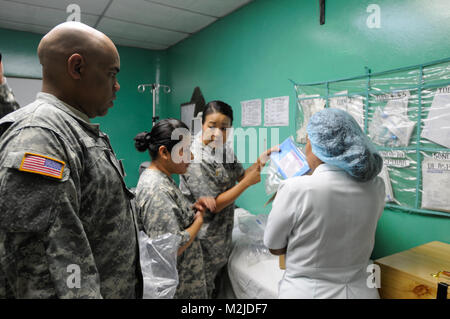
[(409, 274)]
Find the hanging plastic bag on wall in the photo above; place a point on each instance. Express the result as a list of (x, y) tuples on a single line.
[(158, 258), (391, 129), (307, 105)]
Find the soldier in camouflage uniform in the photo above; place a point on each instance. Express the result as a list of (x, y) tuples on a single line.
[(164, 209), (8, 103), (67, 226), (216, 172)]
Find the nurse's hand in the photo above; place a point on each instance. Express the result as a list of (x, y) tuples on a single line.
[(264, 157)]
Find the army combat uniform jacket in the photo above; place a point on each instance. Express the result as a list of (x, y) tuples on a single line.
[(209, 176), (8, 103), (67, 228), (164, 209)]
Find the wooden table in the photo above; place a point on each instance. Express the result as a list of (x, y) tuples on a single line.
[(408, 274)]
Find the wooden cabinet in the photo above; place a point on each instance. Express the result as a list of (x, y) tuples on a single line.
[(408, 274)]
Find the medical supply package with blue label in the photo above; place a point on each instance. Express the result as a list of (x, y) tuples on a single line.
[(290, 160)]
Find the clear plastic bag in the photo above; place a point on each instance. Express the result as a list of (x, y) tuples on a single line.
[(391, 130), (290, 161), (273, 178), (158, 258), (257, 252), (252, 226), (405, 112), (307, 105)]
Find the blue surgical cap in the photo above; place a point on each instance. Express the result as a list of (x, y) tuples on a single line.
[(337, 139)]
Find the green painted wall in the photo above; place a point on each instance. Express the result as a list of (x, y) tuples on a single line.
[(253, 52), (132, 111)]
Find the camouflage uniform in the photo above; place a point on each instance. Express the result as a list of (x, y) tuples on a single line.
[(164, 209), (84, 218), (210, 177), (8, 103)]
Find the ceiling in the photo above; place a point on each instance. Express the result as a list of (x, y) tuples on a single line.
[(149, 24)]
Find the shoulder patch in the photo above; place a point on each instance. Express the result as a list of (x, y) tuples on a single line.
[(43, 165)]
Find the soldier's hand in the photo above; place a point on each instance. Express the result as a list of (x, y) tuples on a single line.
[(264, 158), (204, 203), (198, 217), (252, 175)]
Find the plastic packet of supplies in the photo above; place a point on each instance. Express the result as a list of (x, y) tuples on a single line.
[(158, 258), (290, 161)]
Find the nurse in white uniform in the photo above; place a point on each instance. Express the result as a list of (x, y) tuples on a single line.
[(325, 223)]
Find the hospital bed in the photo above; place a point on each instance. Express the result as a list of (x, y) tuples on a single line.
[(253, 273)]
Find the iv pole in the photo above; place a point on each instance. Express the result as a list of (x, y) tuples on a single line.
[(154, 87)]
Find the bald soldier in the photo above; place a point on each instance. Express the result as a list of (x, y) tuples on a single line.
[(67, 227)]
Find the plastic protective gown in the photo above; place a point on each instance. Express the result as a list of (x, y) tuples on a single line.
[(164, 209)]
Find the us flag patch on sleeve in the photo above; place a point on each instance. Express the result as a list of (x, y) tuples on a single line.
[(43, 165)]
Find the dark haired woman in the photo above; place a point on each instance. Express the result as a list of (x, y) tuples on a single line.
[(164, 209), (217, 173)]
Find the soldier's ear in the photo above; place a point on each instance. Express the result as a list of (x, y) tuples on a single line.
[(75, 66), (163, 152)]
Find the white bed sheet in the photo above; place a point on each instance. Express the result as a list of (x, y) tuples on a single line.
[(252, 273)]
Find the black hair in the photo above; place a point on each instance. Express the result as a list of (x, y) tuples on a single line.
[(160, 135), (217, 107)]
